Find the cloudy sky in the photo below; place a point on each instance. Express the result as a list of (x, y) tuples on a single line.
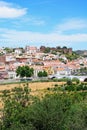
[(43, 22)]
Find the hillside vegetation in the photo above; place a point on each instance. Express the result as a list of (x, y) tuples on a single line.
[(61, 108)]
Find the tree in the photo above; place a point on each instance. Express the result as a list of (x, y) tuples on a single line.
[(69, 82), (16, 103), (76, 117), (76, 80), (64, 47), (42, 74), (72, 56), (8, 50), (20, 71), (47, 50), (24, 71), (58, 47), (45, 73), (56, 111)]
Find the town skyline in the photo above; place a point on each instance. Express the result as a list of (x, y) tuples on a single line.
[(55, 61), (43, 23), (38, 47)]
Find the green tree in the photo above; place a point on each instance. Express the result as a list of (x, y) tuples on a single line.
[(76, 80), (76, 117), (69, 82), (47, 50), (42, 74), (15, 111), (45, 73), (72, 56), (64, 47), (56, 111), (24, 71), (8, 50)]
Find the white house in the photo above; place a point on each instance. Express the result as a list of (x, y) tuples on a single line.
[(18, 51), (31, 49)]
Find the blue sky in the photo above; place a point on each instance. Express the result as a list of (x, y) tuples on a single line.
[(48, 22)]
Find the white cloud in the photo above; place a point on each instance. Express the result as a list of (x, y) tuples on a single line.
[(17, 38), (71, 24), (51, 39), (27, 21), (8, 11), (2, 3)]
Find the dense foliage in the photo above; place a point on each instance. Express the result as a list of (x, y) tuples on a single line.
[(42, 74), (72, 56), (24, 71), (56, 111)]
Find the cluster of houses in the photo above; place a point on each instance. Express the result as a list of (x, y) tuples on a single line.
[(38, 60)]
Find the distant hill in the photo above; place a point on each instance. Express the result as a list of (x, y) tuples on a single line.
[(81, 52)]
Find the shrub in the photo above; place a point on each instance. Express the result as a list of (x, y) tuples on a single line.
[(76, 80), (70, 87), (56, 85), (69, 82)]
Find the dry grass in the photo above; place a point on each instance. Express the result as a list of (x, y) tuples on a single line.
[(33, 86), (37, 88)]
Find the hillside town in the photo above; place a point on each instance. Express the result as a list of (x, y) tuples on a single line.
[(52, 60)]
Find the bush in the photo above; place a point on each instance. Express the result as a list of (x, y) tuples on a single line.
[(82, 87), (56, 85), (76, 80), (48, 88), (69, 82), (70, 87), (42, 74), (67, 111)]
